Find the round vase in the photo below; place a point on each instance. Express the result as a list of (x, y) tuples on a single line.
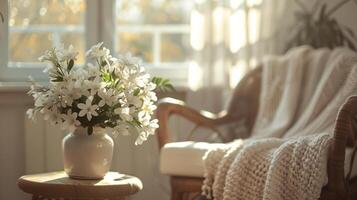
[(87, 156)]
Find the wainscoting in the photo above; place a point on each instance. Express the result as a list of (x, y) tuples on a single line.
[(13, 105), (42, 146)]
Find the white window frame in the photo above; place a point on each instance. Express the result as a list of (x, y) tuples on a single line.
[(177, 72), (19, 72), (95, 30)]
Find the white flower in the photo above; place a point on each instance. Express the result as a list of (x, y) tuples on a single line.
[(125, 100), (141, 138), (53, 115), (48, 56), (93, 85), (142, 78), (93, 71), (148, 93), (112, 66), (124, 113), (134, 100), (107, 97), (70, 121), (98, 51), (88, 109), (146, 130), (31, 113), (66, 54), (68, 93), (129, 60), (46, 98), (146, 111), (67, 100)]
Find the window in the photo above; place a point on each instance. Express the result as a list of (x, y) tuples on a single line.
[(35, 26), (155, 30), (158, 31)]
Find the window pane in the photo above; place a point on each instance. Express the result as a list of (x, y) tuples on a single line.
[(156, 30), (153, 11), (27, 47), (139, 45), (75, 39), (37, 25), (175, 48)]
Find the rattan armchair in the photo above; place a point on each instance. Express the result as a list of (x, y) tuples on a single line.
[(244, 104)]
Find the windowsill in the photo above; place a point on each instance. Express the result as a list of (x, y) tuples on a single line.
[(14, 86), (176, 75), (25, 86)]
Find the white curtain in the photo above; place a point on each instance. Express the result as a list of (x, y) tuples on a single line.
[(227, 40)]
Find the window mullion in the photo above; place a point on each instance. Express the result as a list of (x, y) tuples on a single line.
[(100, 23), (92, 23), (157, 47)]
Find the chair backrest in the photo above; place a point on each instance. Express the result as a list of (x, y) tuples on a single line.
[(245, 98)]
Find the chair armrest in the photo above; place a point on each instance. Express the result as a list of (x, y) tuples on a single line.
[(169, 106), (343, 137)]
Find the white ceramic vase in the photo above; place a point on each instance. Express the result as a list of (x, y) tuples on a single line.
[(87, 156)]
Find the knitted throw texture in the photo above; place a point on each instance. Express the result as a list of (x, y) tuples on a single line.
[(286, 155)]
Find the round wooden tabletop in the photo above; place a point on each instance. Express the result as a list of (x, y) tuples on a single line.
[(59, 185)]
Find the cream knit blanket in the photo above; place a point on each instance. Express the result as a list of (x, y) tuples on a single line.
[(286, 156)]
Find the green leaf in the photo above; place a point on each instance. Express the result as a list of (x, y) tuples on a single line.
[(57, 79), (103, 63), (106, 77), (136, 92), (171, 87), (162, 84), (70, 65)]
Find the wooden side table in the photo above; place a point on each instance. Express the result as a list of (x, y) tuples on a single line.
[(57, 185)]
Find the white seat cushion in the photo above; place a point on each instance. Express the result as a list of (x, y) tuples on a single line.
[(185, 158)]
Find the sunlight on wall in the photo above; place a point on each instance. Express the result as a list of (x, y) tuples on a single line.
[(219, 24), (235, 3), (237, 31), (237, 72), (251, 3), (244, 14), (198, 36), (254, 22), (194, 76)]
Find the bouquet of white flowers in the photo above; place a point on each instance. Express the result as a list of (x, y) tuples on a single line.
[(112, 93)]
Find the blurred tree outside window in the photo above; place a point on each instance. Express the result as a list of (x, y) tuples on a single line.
[(36, 26), (155, 30)]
